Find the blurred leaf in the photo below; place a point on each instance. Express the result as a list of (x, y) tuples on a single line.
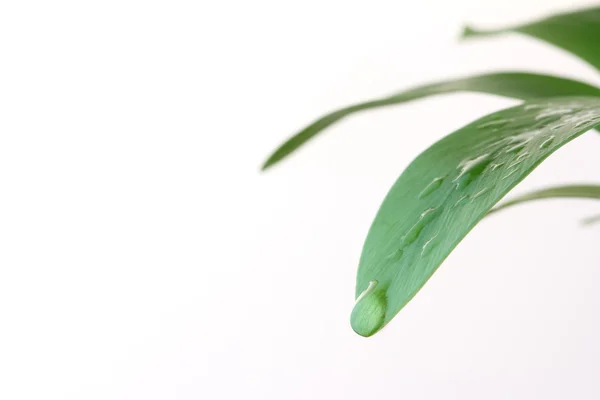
[(515, 84), (571, 191), (576, 32), (447, 189), (591, 220)]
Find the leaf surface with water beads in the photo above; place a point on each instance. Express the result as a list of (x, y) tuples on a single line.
[(577, 32), (517, 85), (447, 189)]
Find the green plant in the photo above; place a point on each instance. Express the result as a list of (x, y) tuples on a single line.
[(453, 184)]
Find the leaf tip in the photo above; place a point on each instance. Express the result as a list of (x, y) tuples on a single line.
[(265, 166), (273, 159), (587, 222), (368, 315), (468, 32)]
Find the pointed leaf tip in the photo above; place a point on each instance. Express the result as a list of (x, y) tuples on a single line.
[(467, 32)]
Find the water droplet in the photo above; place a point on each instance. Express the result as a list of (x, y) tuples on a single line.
[(432, 187), (522, 139), (533, 106), (471, 169), (510, 173), (495, 166), (480, 193), (396, 255), (428, 211), (514, 164), (519, 159), (552, 114), (462, 200), (368, 315), (414, 232), (496, 124), (548, 120), (516, 148), (547, 143), (428, 246)]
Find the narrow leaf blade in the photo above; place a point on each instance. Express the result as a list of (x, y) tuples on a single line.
[(569, 191), (447, 189), (510, 84), (576, 32)]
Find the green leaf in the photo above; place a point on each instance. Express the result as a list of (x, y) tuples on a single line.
[(570, 191), (510, 84), (447, 189), (576, 32), (591, 220)]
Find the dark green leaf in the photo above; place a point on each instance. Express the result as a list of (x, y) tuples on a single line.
[(576, 32), (510, 84), (447, 189), (571, 191)]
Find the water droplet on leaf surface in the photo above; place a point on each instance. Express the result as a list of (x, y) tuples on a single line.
[(496, 124), (547, 143), (414, 232), (495, 166), (471, 169), (462, 200), (480, 193), (432, 187), (428, 246), (369, 311)]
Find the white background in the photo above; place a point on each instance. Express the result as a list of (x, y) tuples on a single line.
[(143, 255)]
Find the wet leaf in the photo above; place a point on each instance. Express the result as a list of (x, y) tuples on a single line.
[(450, 187)]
